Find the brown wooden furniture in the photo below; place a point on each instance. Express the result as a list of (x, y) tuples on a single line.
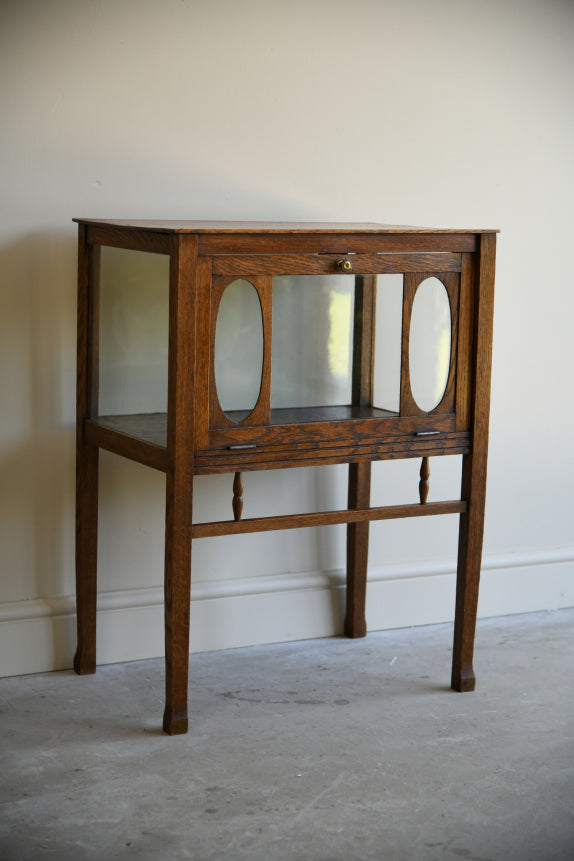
[(196, 436)]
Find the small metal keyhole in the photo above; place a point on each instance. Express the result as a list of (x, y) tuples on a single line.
[(344, 265)]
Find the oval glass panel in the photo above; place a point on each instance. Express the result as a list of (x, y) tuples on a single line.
[(238, 355), (429, 344)]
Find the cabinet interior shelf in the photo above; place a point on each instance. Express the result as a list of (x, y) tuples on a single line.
[(152, 427), (143, 437)]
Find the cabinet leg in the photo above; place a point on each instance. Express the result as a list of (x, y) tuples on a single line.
[(86, 556), (357, 551), (177, 600), (179, 478), (474, 475), (467, 583)]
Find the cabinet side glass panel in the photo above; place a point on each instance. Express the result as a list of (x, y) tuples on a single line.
[(312, 340), (133, 338), (429, 343), (388, 342), (238, 359)]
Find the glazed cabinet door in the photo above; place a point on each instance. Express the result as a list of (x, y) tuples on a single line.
[(303, 351)]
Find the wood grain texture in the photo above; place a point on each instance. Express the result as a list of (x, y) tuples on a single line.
[(87, 459), (407, 402), (86, 456), (130, 445), (464, 347), (315, 415), (363, 342), (179, 478), (203, 361), (359, 489), (143, 438), (93, 259), (117, 237), (359, 496), (325, 518), (473, 488), (353, 429), (247, 265), (227, 228), (424, 481), (143, 427), (195, 437), (334, 243), (237, 501), (259, 415), (244, 461), (412, 282)]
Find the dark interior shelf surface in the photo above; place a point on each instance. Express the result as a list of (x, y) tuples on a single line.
[(152, 427)]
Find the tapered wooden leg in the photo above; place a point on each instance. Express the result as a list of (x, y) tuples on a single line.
[(86, 455), (86, 556), (177, 601), (468, 577), (179, 479), (474, 476), (357, 551)]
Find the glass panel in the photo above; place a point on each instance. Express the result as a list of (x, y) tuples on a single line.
[(429, 343), (312, 340), (133, 349), (239, 348), (388, 340)]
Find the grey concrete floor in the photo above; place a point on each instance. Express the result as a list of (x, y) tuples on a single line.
[(326, 749)]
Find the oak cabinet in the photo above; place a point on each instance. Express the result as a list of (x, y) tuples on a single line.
[(280, 345)]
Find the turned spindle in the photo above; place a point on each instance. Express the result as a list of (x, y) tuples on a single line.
[(237, 496), (424, 482)]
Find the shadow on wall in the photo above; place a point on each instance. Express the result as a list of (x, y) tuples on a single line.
[(37, 334), (37, 447)]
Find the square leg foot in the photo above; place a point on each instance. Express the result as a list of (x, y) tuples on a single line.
[(355, 631), (84, 666), (174, 725), (463, 684)]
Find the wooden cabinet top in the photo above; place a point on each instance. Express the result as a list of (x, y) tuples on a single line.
[(275, 227)]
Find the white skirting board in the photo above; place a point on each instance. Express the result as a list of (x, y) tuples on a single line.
[(40, 635)]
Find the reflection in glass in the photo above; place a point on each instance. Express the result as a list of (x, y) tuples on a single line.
[(133, 342), (429, 343), (388, 337), (239, 348), (312, 340)]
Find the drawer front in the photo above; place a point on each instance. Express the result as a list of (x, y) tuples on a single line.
[(325, 449)]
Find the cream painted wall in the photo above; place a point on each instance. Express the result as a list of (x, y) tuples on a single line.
[(448, 113)]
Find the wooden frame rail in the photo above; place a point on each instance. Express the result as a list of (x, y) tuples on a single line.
[(325, 518)]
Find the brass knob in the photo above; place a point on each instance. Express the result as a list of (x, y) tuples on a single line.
[(344, 265)]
